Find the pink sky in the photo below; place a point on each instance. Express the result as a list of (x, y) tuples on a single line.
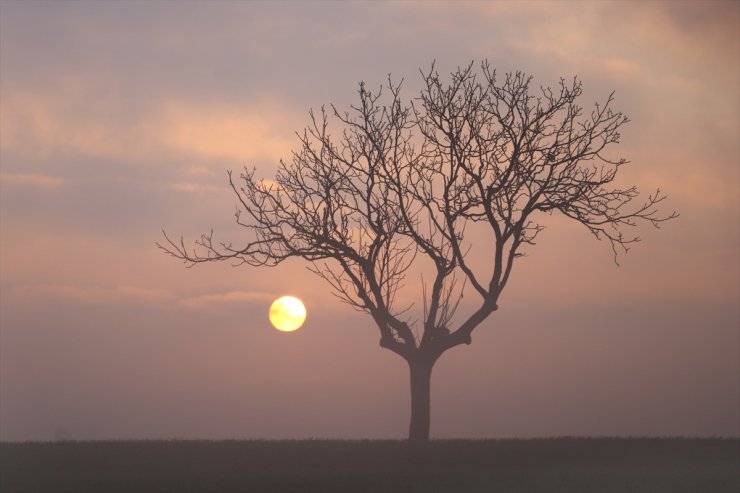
[(120, 119)]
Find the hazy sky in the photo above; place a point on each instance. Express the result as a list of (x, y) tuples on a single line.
[(119, 119)]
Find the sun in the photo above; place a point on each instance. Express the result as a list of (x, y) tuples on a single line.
[(287, 313)]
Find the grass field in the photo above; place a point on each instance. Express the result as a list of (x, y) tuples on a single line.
[(543, 465)]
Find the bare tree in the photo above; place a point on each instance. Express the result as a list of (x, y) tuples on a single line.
[(402, 181)]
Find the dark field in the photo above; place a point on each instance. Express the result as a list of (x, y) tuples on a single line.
[(547, 465)]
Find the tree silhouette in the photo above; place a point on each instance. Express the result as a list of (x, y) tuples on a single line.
[(401, 183)]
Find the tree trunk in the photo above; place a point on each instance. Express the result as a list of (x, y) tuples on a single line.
[(421, 375)]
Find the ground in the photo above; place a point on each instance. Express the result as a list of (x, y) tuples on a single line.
[(542, 465)]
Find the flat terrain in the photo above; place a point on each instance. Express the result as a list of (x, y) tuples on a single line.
[(585, 465)]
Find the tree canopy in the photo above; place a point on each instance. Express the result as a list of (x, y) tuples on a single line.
[(398, 180)]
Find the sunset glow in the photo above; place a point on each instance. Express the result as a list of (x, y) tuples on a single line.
[(122, 119)]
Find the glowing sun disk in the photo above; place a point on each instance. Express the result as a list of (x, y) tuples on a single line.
[(287, 313)]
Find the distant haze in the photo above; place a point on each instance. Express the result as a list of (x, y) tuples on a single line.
[(121, 118)]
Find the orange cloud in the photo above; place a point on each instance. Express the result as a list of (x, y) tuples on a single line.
[(44, 125), (621, 67), (30, 180), (236, 134), (199, 170), (198, 187), (208, 300), (87, 294)]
